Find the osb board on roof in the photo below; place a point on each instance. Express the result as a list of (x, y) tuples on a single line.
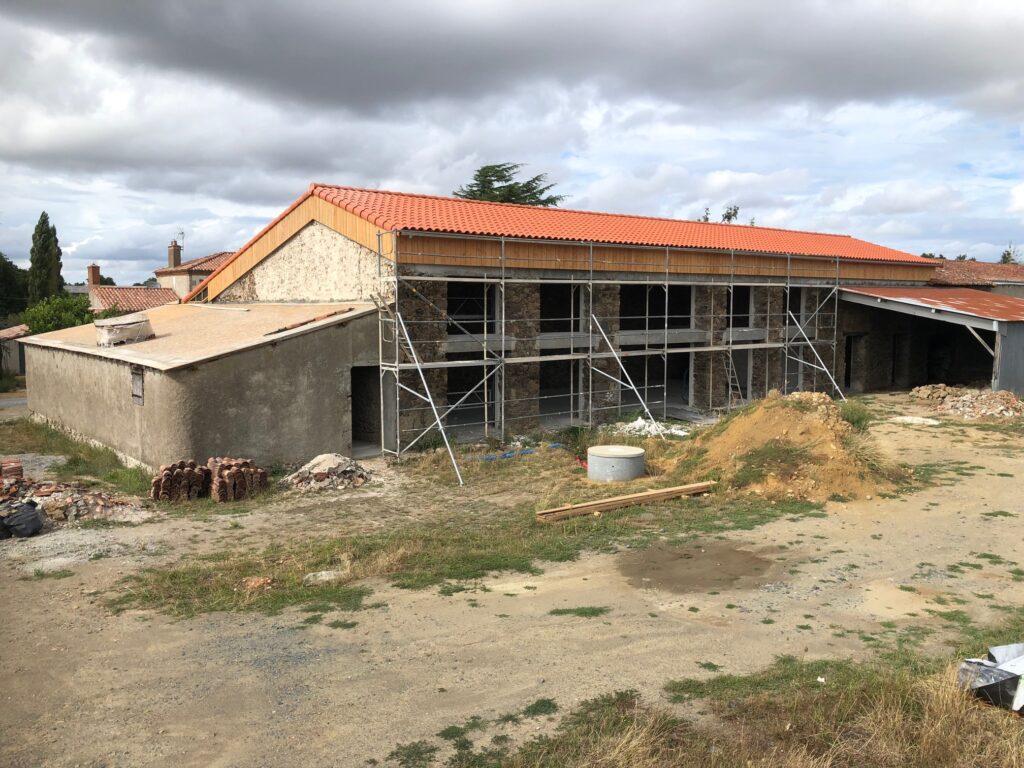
[(187, 334)]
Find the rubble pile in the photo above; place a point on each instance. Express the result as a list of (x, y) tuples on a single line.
[(644, 428), (984, 404), (329, 470), (11, 468), (221, 479), (938, 392), (65, 502), (971, 403)]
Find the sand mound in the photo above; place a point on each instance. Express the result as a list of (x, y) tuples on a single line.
[(793, 446)]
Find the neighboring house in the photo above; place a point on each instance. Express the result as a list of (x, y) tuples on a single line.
[(496, 319), (984, 275), (124, 298), (182, 277), (12, 354)]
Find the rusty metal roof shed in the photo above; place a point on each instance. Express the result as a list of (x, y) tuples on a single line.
[(964, 306)]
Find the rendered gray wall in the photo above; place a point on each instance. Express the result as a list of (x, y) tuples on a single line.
[(91, 397), (283, 402)]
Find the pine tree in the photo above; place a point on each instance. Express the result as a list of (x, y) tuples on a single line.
[(44, 279), (497, 184)]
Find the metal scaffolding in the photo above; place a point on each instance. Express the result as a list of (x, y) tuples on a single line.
[(466, 350)]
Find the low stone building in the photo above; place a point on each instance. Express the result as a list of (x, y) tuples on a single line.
[(270, 382)]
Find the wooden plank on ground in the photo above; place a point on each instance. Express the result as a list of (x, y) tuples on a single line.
[(617, 502)]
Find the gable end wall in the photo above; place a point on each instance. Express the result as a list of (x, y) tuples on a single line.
[(315, 265)]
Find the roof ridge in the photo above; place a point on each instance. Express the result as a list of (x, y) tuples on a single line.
[(451, 198)]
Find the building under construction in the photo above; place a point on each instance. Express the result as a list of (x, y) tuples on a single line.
[(497, 320)]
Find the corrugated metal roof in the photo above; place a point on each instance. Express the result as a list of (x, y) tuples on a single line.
[(967, 301)]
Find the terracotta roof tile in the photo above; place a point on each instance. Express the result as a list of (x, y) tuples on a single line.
[(453, 215), (130, 298), (201, 264), (427, 213), (976, 273)]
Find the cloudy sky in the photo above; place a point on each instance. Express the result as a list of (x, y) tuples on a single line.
[(896, 121)]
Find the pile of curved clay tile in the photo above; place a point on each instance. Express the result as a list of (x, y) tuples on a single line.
[(234, 479), (221, 479), (180, 482)]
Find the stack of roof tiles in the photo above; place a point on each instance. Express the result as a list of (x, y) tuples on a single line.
[(221, 479)]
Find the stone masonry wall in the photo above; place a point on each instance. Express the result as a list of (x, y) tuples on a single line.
[(316, 265), (522, 380), (710, 313), (607, 394), (429, 331)]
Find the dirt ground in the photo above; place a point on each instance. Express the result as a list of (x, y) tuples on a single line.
[(81, 686)]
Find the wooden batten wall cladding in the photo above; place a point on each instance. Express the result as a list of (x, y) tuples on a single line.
[(466, 252)]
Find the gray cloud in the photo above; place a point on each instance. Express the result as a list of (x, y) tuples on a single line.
[(371, 56), (130, 121)]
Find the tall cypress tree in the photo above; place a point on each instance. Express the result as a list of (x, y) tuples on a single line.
[(44, 277)]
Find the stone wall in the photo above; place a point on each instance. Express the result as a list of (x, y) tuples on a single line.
[(606, 392), (316, 265), (710, 313), (769, 307), (428, 331), (522, 380)]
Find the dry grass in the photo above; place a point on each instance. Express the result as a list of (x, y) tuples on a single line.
[(893, 721)]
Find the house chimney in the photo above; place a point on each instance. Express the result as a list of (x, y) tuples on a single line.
[(174, 254), (94, 275)]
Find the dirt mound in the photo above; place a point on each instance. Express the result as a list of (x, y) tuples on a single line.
[(794, 446)]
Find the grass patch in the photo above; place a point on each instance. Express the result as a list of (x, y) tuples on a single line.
[(540, 708), (39, 574), (584, 611), (82, 462), (416, 754), (778, 456), (204, 586), (856, 414), (431, 555)]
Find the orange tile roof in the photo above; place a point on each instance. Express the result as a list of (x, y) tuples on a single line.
[(952, 272), (453, 215), (968, 301), (201, 264), (130, 298), (428, 213)]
